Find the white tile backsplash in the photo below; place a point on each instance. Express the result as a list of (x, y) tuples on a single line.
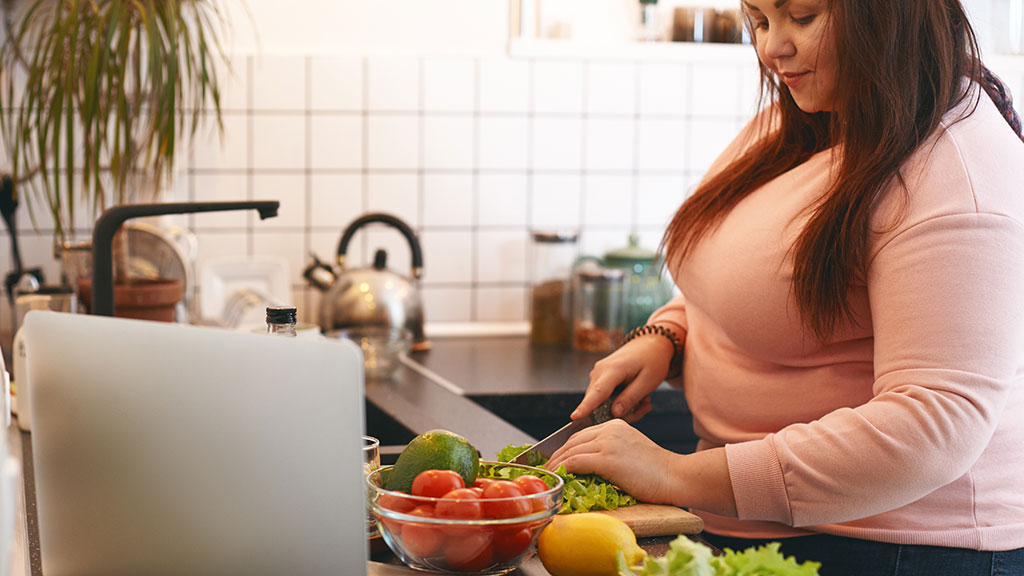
[(395, 194), (336, 83), (279, 82), (503, 142), (557, 143), (452, 260), (504, 85), (225, 150), (447, 199), (661, 144), (223, 187), (449, 85), (611, 88), (558, 86), (708, 138), (279, 141), (501, 256), (393, 141), (335, 200), (715, 90), (502, 200), (610, 144), (444, 304), (555, 201), (393, 83), (448, 142), (658, 198), (472, 152), (336, 141), (662, 88), (608, 200), (500, 304)]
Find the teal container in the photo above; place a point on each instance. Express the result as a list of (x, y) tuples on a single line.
[(646, 289)]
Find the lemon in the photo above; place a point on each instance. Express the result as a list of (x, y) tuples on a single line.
[(586, 545), (434, 450)]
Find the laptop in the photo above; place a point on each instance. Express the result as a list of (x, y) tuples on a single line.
[(174, 449)]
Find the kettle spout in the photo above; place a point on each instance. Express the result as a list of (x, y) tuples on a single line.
[(319, 275)]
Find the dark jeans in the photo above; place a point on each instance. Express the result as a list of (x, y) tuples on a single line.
[(840, 556)]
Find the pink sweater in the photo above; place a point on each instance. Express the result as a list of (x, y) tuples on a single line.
[(906, 428)]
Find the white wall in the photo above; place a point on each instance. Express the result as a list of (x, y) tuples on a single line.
[(466, 27)]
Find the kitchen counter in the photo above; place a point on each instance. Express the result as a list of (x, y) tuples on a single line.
[(495, 391)]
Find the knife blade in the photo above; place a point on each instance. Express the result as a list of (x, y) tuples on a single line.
[(556, 440)]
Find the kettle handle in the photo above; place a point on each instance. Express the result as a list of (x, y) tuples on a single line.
[(382, 218)]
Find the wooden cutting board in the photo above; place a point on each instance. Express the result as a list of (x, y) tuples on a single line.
[(657, 520)]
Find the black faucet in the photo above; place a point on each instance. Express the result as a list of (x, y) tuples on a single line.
[(110, 221)]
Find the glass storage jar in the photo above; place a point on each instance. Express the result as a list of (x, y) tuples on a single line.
[(552, 256), (599, 308)]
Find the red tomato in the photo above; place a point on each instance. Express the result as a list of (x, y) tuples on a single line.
[(470, 550), (421, 539), (477, 490), (483, 483), (396, 504), (531, 484), (460, 504), (498, 501), (436, 483), (511, 542)]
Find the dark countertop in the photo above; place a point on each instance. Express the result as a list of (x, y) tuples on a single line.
[(532, 388)]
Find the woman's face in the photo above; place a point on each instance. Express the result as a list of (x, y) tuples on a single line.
[(795, 41)]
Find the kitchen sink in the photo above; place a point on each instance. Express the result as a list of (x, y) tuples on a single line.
[(393, 435)]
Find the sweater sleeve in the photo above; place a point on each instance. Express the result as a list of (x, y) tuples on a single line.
[(948, 329)]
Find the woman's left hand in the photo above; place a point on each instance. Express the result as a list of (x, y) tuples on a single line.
[(622, 455)]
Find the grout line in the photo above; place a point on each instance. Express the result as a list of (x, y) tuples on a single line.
[(474, 246), (307, 236)]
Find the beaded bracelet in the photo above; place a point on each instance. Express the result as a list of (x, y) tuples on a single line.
[(676, 364)]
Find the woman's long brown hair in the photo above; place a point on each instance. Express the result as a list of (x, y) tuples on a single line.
[(901, 68)]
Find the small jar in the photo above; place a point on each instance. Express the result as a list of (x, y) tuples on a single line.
[(599, 308), (281, 320), (552, 256)]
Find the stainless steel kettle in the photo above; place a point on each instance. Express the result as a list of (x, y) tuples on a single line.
[(374, 295)]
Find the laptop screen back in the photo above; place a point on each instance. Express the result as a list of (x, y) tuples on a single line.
[(170, 449)]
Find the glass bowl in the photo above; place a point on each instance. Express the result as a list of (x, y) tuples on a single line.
[(493, 535), (382, 348)]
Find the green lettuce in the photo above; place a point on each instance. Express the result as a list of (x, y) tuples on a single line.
[(580, 492), (688, 558)]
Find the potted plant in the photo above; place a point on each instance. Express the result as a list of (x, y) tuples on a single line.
[(100, 94)]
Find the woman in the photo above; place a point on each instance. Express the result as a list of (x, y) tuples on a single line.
[(851, 326)]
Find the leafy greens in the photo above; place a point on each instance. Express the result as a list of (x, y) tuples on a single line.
[(580, 493), (688, 558)]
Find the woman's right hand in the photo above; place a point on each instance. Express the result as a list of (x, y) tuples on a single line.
[(642, 364)]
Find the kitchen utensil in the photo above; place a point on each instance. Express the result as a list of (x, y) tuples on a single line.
[(646, 288), (374, 295), (649, 520), (553, 442), (599, 313), (552, 256), (382, 348)]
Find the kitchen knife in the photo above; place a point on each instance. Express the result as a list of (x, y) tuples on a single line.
[(549, 445)]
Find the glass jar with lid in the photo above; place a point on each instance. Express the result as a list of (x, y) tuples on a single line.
[(646, 288), (599, 307), (551, 258)]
